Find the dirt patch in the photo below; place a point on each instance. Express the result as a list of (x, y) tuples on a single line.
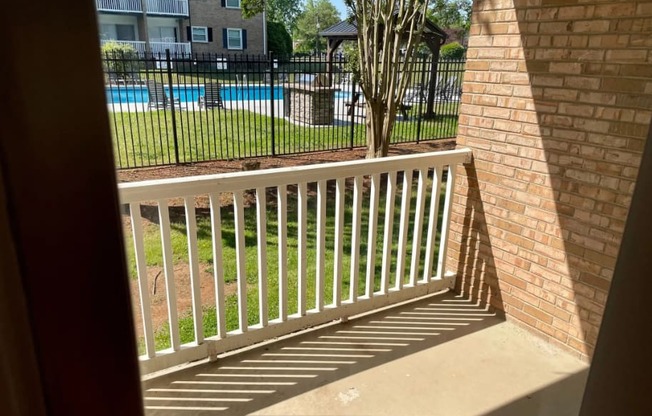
[(224, 166), (158, 298)]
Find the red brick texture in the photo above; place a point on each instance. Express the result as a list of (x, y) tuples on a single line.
[(556, 106), (210, 13)]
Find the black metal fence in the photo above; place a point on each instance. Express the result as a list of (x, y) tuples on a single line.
[(167, 109)]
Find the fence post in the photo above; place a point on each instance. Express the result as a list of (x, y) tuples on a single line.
[(353, 106), (421, 97), (168, 65), (271, 98)]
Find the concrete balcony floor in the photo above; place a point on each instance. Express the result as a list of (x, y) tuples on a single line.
[(440, 355)]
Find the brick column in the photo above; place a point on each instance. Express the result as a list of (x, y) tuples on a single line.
[(556, 107)]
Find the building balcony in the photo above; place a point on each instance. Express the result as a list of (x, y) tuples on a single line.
[(138, 45), (156, 48), (176, 48), (168, 7), (357, 250), (155, 7), (122, 6)]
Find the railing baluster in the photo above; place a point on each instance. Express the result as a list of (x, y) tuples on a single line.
[(218, 265), (371, 240), (418, 226), (261, 214), (193, 260), (237, 184), (338, 247), (282, 253), (302, 201), (432, 224), (355, 238), (141, 269), (238, 212), (448, 204), (168, 268), (389, 228), (403, 230), (321, 244)]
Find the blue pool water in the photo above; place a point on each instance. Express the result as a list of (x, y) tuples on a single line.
[(190, 93)]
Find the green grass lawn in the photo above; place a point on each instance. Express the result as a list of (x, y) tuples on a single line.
[(147, 139), (179, 243)]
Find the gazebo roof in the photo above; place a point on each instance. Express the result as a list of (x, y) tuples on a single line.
[(346, 30), (341, 29)]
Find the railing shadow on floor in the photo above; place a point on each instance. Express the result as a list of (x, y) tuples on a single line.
[(246, 382)]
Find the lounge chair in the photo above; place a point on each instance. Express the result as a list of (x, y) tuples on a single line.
[(447, 89), (212, 96), (157, 96), (416, 94), (353, 103), (403, 108), (304, 78)]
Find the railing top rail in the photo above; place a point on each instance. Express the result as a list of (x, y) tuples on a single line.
[(227, 182)]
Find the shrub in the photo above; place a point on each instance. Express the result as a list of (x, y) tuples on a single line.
[(279, 40), (120, 59), (352, 64), (452, 50)]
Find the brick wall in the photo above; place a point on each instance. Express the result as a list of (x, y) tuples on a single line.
[(557, 104), (210, 13)]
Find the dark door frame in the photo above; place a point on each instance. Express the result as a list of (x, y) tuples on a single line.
[(67, 344), (66, 330)]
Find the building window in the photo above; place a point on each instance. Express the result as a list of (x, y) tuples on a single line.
[(199, 34), (233, 4), (162, 34), (234, 39), (117, 32)]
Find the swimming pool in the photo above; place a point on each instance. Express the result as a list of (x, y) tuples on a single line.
[(133, 94)]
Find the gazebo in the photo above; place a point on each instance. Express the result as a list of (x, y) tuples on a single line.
[(433, 36)]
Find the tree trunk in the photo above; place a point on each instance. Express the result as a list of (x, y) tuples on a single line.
[(378, 134), (380, 123)]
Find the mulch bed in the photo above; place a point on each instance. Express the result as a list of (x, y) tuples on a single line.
[(268, 162)]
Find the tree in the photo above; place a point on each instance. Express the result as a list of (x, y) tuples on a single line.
[(120, 59), (388, 33), (279, 40), (454, 14), (452, 50), (352, 63), (278, 11), (318, 15)]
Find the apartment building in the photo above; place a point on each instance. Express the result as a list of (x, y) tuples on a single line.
[(182, 26)]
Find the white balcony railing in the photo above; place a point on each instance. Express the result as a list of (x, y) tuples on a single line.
[(138, 45), (178, 48), (157, 48), (318, 210), (168, 7), (119, 5), (161, 7)]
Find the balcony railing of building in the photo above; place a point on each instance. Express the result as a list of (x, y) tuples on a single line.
[(159, 7), (138, 45), (291, 248), (128, 6), (168, 7), (156, 48), (176, 48)]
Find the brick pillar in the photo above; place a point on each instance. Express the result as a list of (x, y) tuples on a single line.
[(556, 107)]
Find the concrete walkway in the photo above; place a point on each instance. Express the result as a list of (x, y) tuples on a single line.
[(438, 356)]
